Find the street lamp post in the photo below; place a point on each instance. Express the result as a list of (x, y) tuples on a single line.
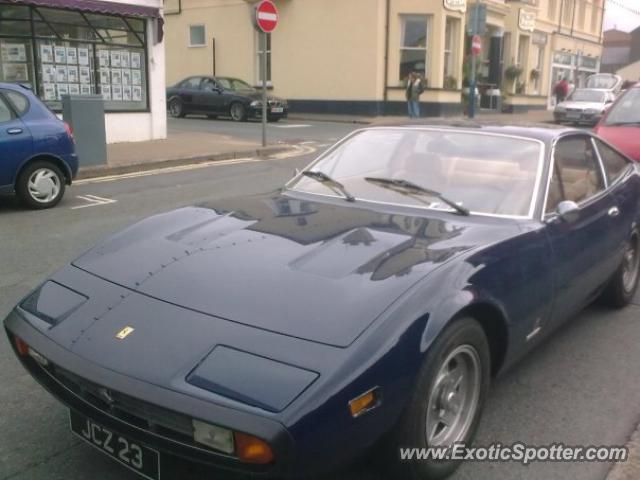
[(472, 80)]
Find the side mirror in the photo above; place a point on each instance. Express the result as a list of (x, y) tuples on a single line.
[(568, 211)]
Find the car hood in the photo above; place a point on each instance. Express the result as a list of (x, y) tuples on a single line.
[(317, 271), (623, 138), (582, 105)]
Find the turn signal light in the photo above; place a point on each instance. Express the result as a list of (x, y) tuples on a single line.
[(21, 346), (250, 449), (365, 402)]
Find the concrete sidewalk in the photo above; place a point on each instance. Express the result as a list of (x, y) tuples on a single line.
[(178, 148)]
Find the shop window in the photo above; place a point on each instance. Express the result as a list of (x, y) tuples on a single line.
[(259, 52), (197, 36), (413, 47), (76, 53), (450, 49)]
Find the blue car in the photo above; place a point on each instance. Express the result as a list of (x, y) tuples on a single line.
[(37, 150), (369, 302)]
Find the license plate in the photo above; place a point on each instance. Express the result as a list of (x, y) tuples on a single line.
[(575, 115), (137, 457), (277, 110)]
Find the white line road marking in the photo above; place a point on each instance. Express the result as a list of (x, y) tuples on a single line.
[(93, 200), (268, 16), (293, 126), (296, 151)]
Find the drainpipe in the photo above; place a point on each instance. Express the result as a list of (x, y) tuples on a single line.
[(385, 95)]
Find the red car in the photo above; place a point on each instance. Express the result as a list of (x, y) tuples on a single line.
[(620, 126)]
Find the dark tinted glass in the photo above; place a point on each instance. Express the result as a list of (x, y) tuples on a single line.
[(577, 175), (5, 113), (19, 101), (614, 163)]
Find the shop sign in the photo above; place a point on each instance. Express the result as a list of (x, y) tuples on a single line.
[(527, 20), (589, 62), (539, 38), (562, 58), (456, 5)]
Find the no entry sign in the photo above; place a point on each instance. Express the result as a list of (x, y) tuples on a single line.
[(266, 16), (476, 45)]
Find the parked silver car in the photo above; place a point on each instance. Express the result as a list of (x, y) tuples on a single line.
[(584, 105)]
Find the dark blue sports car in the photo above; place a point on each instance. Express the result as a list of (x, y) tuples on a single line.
[(368, 302)]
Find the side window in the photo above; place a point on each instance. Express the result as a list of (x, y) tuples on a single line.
[(5, 112), (209, 85), (19, 101), (576, 175), (614, 164), (192, 83)]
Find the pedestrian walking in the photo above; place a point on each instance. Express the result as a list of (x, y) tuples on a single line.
[(561, 90), (414, 89)]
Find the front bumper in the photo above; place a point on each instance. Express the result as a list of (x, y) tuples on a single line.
[(256, 112), (581, 117), (53, 377)]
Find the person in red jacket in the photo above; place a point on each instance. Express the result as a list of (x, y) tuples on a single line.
[(561, 90)]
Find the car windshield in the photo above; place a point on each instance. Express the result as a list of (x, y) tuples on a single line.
[(482, 172), (587, 96), (235, 85), (626, 110)]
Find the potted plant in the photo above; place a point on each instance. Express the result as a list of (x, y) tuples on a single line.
[(512, 72), (450, 83), (534, 75)]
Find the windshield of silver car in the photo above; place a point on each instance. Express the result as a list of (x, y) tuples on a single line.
[(581, 95), (482, 172)]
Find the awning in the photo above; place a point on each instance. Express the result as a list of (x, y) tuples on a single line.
[(94, 6)]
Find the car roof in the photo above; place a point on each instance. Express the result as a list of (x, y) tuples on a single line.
[(537, 131)]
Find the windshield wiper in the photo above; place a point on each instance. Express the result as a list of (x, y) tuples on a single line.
[(409, 188), (334, 185)]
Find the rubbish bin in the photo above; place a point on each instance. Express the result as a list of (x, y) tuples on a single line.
[(85, 114)]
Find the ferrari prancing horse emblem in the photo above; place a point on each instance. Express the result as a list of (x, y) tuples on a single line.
[(122, 334)]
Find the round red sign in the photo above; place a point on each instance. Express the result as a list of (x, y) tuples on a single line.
[(266, 16), (476, 44)]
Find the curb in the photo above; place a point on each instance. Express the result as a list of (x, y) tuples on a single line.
[(104, 170), (353, 121)]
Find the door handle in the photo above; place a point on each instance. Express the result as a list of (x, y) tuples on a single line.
[(614, 212), (14, 131)]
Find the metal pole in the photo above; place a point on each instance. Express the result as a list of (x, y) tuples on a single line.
[(264, 89), (472, 82)]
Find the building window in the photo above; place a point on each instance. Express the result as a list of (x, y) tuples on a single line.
[(582, 8), (450, 49), (552, 9), (259, 52), (595, 15), (567, 14), (58, 52), (197, 37), (413, 49), (539, 67)]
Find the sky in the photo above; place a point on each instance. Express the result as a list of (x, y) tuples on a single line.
[(625, 19)]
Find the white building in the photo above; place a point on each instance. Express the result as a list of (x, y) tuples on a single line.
[(112, 48)]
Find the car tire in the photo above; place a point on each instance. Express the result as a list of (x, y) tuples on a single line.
[(40, 185), (238, 112), (461, 347), (176, 108), (624, 283)]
